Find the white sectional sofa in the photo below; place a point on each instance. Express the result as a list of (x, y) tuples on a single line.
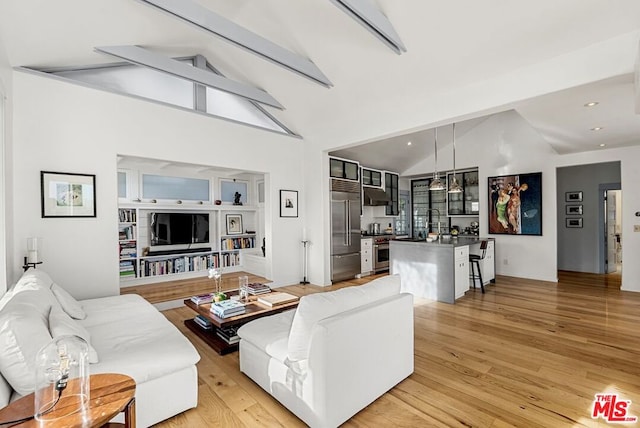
[(126, 335), (336, 353)]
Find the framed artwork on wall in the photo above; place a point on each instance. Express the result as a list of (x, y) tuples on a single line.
[(288, 203), (515, 204), (67, 194), (573, 197), (574, 222), (234, 224), (574, 209)]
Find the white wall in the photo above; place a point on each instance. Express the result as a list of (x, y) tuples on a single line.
[(317, 223), (6, 111), (63, 127)]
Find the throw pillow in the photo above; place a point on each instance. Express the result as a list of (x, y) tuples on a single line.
[(68, 303), (61, 324), (23, 331)]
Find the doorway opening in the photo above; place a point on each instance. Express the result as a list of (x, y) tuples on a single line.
[(590, 223), (611, 228)]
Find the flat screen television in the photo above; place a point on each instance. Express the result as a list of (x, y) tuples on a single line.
[(178, 228)]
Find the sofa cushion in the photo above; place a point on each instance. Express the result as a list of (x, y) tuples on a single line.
[(24, 330), (132, 337), (70, 305), (5, 392), (61, 324), (315, 307), (33, 279), (269, 334)]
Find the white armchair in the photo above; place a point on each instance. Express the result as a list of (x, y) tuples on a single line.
[(336, 353)]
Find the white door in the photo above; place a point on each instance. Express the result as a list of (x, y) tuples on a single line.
[(610, 238)]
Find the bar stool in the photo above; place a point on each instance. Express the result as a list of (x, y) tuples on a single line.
[(474, 261)]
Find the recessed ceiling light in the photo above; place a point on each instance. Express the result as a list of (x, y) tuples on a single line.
[(597, 128), (409, 143), (591, 104), (602, 145)]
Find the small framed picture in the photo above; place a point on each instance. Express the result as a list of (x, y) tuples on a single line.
[(573, 197), (68, 195), (574, 209), (574, 222), (234, 224), (288, 203)]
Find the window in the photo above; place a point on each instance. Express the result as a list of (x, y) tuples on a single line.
[(122, 184), (152, 85), (402, 221), (261, 192), (175, 188), (228, 189)]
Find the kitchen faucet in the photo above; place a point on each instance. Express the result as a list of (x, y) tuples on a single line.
[(437, 212)]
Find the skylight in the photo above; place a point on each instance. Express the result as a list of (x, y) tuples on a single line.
[(155, 86)]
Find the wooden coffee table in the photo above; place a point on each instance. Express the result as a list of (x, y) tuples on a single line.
[(254, 310), (109, 395)]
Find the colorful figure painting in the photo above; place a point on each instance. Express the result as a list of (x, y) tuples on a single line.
[(515, 204)]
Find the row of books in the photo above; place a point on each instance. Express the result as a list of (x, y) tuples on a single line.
[(127, 232), (256, 288), (127, 269), (128, 249), (178, 265), (237, 243), (126, 216), (230, 259), (227, 308)]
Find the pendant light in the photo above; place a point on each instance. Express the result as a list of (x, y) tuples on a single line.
[(436, 183), (454, 186)]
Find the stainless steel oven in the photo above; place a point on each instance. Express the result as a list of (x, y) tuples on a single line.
[(381, 253)]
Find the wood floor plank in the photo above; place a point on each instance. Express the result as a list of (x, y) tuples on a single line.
[(526, 353)]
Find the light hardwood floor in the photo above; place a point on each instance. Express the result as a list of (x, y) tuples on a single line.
[(527, 353)]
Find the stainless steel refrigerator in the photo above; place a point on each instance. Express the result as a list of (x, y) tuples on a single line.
[(345, 232)]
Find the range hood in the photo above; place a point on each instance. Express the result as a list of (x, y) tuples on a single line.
[(375, 197)]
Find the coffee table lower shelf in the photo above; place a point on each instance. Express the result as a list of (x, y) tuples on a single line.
[(211, 338)]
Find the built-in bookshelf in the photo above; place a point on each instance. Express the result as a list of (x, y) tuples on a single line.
[(139, 264), (128, 243)]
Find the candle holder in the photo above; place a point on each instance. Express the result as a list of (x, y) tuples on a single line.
[(304, 261), (32, 259)]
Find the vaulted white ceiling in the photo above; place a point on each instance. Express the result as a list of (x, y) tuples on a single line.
[(464, 59)]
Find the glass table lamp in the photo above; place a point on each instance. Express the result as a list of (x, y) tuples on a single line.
[(62, 379)]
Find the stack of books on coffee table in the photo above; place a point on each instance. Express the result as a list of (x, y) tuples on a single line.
[(227, 308), (229, 334), (203, 322), (202, 298), (258, 288), (278, 298)]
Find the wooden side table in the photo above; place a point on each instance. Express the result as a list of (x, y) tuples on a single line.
[(110, 394)]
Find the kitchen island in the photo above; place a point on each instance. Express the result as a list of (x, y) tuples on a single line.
[(438, 270)]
